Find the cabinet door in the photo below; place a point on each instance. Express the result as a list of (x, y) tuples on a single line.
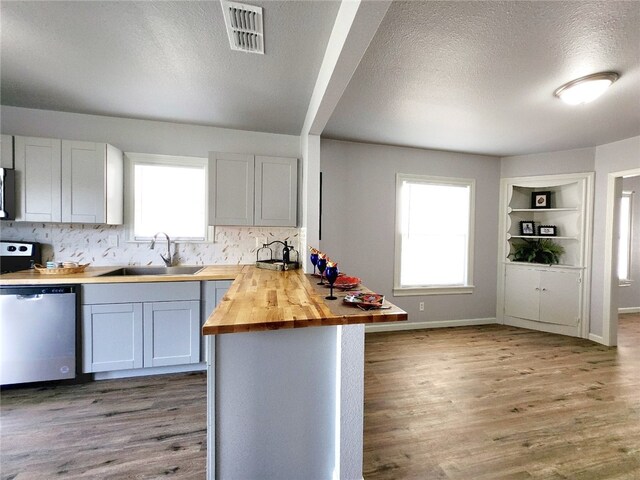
[(522, 293), (560, 298), (83, 182), (276, 191), (231, 188), (38, 179), (111, 337), (171, 333), (6, 151)]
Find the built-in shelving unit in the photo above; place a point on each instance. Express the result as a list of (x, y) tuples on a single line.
[(551, 298)]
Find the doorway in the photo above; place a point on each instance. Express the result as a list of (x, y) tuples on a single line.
[(612, 290)]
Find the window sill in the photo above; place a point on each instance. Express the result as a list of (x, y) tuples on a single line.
[(440, 290)]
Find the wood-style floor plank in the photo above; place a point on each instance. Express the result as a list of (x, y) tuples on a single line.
[(495, 402), (472, 403)]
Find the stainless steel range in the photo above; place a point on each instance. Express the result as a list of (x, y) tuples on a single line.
[(38, 324)]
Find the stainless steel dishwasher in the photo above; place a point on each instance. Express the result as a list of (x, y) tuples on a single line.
[(38, 333)]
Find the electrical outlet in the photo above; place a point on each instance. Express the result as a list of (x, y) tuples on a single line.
[(113, 240), (421, 306)]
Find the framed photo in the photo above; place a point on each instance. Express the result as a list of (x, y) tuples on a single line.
[(541, 200), (547, 231), (527, 228)]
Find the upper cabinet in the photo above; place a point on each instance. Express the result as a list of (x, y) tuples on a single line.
[(276, 191), (68, 181), (6, 151), (252, 190), (231, 189)]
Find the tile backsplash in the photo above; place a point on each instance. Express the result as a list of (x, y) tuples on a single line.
[(84, 243)]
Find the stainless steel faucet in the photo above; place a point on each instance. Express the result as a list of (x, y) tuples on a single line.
[(168, 260)]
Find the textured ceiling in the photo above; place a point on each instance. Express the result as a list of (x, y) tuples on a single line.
[(479, 77), (164, 61), (464, 76)]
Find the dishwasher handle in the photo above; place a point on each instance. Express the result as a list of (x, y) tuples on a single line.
[(35, 296)]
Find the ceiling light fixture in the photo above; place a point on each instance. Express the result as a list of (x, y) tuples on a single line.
[(586, 89)]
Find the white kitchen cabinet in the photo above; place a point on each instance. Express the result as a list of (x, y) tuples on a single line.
[(128, 326), (38, 179), (111, 337), (276, 190), (171, 333), (231, 179), (543, 295), (252, 190), (68, 181), (211, 293), (6, 151), (92, 183)]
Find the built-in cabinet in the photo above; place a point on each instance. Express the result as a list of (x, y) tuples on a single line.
[(128, 325), (68, 181), (252, 190), (553, 298)]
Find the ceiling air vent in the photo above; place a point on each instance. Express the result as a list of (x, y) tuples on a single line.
[(244, 26)]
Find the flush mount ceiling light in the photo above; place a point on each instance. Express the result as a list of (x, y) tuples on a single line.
[(586, 89)]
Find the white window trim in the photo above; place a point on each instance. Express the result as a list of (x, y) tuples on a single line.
[(626, 282), (400, 291), (156, 159)]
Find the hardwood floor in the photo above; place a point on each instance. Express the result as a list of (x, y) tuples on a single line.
[(470, 403), (496, 402)]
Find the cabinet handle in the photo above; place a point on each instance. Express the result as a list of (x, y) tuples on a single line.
[(544, 289), (537, 289)]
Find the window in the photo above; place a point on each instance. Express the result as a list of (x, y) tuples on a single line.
[(434, 235), (167, 194), (624, 245)]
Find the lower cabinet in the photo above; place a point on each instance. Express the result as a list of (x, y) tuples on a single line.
[(543, 294), (122, 334)]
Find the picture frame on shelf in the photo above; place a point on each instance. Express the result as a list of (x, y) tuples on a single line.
[(527, 228), (541, 199), (547, 231)]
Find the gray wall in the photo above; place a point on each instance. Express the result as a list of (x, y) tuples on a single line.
[(629, 296), (358, 220), (612, 157), (144, 136), (554, 163)]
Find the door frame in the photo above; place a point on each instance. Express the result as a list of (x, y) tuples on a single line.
[(610, 297)]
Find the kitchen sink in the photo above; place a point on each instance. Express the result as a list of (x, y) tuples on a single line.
[(133, 271)]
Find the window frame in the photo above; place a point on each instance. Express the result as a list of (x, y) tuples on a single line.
[(625, 282), (468, 287), (133, 159)]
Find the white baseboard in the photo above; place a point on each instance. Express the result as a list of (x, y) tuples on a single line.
[(629, 310), (597, 338), (390, 327)]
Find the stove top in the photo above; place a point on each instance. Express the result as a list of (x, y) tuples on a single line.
[(15, 256)]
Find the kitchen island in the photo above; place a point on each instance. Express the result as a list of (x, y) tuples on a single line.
[(285, 401)]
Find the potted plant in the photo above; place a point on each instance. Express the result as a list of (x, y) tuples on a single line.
[(543, 251)]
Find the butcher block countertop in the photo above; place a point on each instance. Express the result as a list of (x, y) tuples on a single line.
[(92, 275), (262, 300)]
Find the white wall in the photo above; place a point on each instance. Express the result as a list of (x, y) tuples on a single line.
[(144, 136), (629, 296), (90, 243), (358, 220)]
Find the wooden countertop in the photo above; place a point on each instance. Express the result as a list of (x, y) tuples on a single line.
[(261, 300), (92, 275)]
